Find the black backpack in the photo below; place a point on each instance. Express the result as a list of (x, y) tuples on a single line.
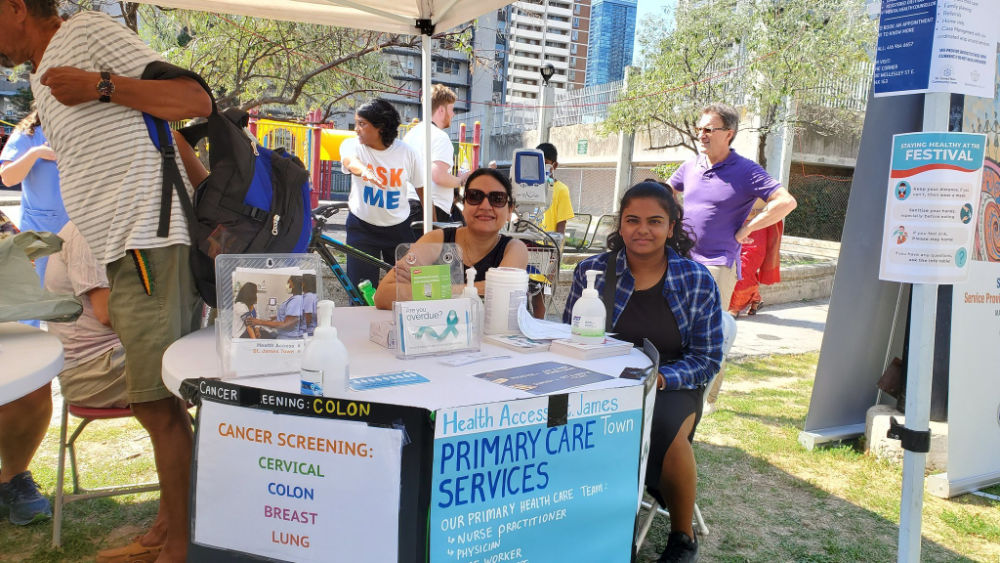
[(255, 200)]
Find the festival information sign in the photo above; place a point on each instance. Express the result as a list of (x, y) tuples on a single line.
[(973, 395), (296, 488), (936, 46), (930, 208), (513, 480)]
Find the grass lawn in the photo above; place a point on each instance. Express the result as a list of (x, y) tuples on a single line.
[(763, 496)]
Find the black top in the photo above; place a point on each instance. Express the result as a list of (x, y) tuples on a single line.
[(647, 315), (492, 259)]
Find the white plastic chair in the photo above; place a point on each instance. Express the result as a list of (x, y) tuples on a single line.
[(728, 337)]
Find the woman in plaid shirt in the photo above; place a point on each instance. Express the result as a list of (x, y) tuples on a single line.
[(662, 295)]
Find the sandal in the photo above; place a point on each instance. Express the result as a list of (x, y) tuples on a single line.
[(134, 552), (754, 307)]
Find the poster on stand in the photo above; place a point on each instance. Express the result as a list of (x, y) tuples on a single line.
[(930, 211), (936, 46), (511, 480), (973, 393)]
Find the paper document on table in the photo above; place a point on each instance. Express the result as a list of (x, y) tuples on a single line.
[(539, 329), (466, 359)]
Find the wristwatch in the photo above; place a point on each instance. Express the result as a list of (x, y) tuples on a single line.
[(105, 87)]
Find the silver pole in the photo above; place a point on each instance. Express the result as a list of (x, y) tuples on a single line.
[(425, 103), (919, 376)]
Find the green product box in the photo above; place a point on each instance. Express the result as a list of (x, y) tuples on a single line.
[(431, 282)]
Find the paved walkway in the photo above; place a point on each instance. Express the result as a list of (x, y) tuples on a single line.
[(791, 328)]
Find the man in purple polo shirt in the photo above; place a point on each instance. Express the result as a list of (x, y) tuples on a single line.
[(720, 187)]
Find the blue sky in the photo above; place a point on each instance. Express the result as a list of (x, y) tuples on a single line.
[(644, 10)]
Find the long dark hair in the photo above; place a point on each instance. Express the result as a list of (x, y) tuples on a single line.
[(682, 240), (383, 116), (247, 294), (30, 122)]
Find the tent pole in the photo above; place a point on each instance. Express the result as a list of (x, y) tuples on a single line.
[(923, 320), (425, 77)]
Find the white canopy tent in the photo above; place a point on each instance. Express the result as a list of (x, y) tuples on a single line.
[(408, 17)]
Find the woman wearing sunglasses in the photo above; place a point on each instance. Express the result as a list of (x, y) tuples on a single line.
[(487, 207)]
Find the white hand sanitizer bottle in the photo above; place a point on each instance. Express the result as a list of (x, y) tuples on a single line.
[(325, 364), (589, 314), (478, 312)]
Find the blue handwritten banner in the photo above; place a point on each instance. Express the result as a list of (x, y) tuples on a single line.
[(508, 487)]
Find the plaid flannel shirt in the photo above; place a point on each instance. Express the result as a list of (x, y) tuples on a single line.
[(693, 298)]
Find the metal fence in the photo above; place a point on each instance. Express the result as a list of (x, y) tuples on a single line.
[(822, 196), (821, 192)]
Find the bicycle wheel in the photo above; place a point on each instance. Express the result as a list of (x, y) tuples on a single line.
[(354, 252)]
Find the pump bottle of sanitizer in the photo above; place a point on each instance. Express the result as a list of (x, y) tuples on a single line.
[(478, 312), (325, 364), (589, 314)]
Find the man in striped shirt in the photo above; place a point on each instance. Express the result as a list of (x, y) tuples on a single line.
[(87, 85)]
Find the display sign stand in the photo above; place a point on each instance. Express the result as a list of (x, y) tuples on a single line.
[(298, 478), (918, 381)]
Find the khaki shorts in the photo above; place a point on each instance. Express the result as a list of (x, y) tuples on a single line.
[(148, 323), (98, 382), (725, 278)]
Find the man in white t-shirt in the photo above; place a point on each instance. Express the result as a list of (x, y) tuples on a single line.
[(88, 86), (384, 174), (444, 183)]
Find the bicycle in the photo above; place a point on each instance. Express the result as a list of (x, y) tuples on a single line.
[(325, 245), (544, 259)]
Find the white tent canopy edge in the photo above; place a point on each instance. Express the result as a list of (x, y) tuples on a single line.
[(407, 17)]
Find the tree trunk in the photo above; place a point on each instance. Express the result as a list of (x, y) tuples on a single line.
[(130, 13), (762, 148)]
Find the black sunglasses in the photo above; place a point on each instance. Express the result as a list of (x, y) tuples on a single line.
[(475, 197)]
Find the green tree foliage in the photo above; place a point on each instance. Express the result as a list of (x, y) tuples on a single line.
[(754, 54), (253, 62)]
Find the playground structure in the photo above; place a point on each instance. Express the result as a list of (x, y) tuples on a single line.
[(318, 146)]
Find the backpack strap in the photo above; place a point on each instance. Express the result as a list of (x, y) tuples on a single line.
[(159, 132), (610, 285)]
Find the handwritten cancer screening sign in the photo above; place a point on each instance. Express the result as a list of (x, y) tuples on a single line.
[(297, 488), (930, 208), (509, 487)]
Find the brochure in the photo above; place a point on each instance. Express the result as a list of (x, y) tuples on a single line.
[(518, 342), (390, 379), (544, 377), (434, 327), (272, 312), (610, 347)]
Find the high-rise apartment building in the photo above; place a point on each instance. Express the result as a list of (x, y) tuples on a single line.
[(534, 33), (448, 66), (612, 33)]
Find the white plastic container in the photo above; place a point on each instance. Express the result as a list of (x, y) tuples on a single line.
[(472, 293), (506, 292), (325, 363), (589, 314)]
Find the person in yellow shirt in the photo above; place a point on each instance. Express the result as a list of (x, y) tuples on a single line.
[(554, 220), (561, 208)]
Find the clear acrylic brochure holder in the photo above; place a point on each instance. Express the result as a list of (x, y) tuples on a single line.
[(430, 314), (266, 311)]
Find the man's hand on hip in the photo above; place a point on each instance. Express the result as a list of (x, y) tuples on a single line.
[(71, 86), (743, 235)]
